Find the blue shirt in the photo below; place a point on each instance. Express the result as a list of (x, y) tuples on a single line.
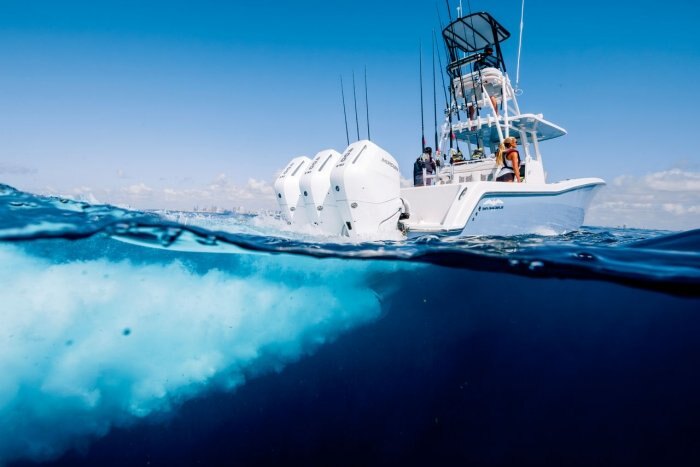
[(486, 61)]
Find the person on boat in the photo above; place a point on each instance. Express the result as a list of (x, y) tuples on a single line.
[(424, 161), (456, 156), (508, 159), (485, 60), (477, 154)]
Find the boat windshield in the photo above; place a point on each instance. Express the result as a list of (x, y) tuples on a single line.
[(474, 32)]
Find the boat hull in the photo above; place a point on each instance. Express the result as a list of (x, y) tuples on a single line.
[(495, 208)]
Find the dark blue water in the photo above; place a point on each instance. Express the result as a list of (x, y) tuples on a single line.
[(265, 347)]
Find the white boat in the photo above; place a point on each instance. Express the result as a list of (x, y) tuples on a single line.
[(359, 193)]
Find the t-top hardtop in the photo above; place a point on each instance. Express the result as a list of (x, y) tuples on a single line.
[(474, 32)]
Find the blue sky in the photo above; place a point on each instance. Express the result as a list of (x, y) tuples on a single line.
[(104, 97)]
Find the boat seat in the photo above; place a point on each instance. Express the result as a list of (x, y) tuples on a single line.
[(492, 78)]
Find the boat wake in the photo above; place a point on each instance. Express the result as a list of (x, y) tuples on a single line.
[(101, 334)]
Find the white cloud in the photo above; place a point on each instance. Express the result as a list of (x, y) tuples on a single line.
[(668, 199), (139, 189), (679, 209), (674, 180), (221, 192)]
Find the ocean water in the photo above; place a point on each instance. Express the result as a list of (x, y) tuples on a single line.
[(132, 338)]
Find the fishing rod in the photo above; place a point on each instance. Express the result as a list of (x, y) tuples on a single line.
[(459, 69), (420, 74), (367, 105), (354, 94), (449, 11), (345, 115), (460, 76), (453, 97), (479, 139), (458, 72), (437, 148), (448, 103), (475, 103)]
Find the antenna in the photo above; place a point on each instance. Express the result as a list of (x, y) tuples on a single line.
[(345, 114), (420, 74), (367, 104), (354, 94), (520, 46)]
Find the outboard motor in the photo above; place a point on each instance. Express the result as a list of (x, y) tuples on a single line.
[(288, 193), (315, 186), (366, 184)]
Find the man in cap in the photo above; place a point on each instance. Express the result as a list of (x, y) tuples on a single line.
[(486, 59), (424, 161)]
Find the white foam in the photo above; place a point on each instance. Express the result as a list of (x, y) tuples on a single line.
[(274, 226), (87, 345), (545, 231)]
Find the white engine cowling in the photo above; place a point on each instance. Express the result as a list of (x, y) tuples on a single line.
[(366, 184), (315, 186), (288, 192)]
